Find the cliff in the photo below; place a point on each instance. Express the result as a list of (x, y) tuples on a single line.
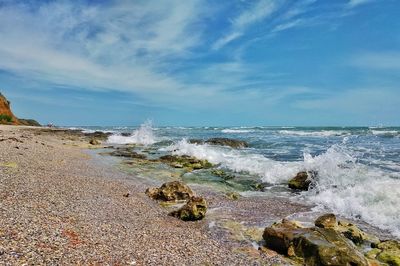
[(7, 117)]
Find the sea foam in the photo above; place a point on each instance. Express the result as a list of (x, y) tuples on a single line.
[(343, 185), (143, 135)]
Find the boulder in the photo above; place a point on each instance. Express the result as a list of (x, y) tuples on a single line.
[(326, 221), (302, 180), (351, 232), (171, 191), (195, 209), (234, 143), (316, 246)]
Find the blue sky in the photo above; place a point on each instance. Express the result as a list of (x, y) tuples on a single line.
[(200, 62)]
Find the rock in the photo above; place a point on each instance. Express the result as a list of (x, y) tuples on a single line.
[(301, 181), (386, 251), (126, 195), (317, 246), (326, 221), (196, 141), (171, 191), (325, 246), (185, 161), (99, 135), (234, 143), (94, 142), (221, 173), (195, 209), (128, 153), (351, 232), (232, 195)]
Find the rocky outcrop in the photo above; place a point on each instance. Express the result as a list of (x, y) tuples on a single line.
[(126, 152), (302, 180), (315, 246), (234, 143), (195, 209), (185, 161), (171, 191), (7, 117)]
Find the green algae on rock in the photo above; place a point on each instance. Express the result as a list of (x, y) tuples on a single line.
[(301, 181), (171, 191), (386, 251), (316, 246), (195, 209)]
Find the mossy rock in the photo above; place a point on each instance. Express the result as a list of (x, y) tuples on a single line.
[(171, 191), (184, 161), (301, 181), (232, 195), (195, 209)]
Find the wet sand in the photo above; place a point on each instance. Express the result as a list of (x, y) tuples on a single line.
[(59, 205)]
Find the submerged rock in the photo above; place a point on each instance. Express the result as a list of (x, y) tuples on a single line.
[(221, 173), (171, 191), (234, 143), (195, 209), (316, 246), (302, 180), (128, 153), (185, 161)]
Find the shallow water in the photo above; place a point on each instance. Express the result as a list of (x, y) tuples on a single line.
[(358, 167)]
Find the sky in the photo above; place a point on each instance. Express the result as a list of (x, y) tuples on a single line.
[(202, 62)]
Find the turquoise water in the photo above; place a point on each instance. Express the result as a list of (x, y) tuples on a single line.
[(358, 167)]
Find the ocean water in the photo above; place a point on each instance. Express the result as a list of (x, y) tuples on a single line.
[(358, 167)]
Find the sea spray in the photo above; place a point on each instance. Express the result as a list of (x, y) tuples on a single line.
[(143, 135)]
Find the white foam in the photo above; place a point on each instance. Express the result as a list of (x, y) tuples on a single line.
[(234, 131), (322, 133), (343, 185), (143, 135), (389, 133), (270, 171)]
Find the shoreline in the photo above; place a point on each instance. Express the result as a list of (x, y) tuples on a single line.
[(74, 194), (59, 207)]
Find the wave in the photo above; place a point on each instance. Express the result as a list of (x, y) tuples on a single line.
[(143, 135), (386, 133), (322, 133), (343, 185), (234, 131)]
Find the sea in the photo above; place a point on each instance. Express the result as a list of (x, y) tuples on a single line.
[(358, 167)]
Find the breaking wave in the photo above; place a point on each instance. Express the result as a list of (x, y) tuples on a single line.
[(143, 135)]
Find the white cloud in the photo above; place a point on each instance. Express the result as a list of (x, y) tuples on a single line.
[(256, 13)]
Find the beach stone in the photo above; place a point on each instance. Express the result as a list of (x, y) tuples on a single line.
[(326, 221), (232, 195), (316, 246), (195, 209), (300, 181), (94, 142), (234, 143), (171, 191)]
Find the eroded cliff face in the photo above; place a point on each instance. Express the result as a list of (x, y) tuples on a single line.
[(6, 115)]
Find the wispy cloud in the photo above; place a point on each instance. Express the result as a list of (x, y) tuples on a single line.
[(378, 60), (354, 3), (255, 13)]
